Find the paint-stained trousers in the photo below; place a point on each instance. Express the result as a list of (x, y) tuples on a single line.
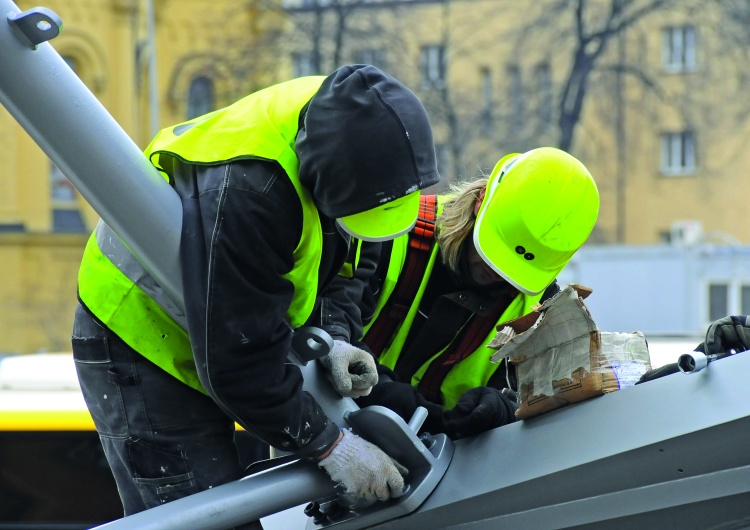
[(163, 440)]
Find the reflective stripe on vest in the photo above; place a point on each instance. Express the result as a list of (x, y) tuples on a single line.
[(476, 369), (128, 301)]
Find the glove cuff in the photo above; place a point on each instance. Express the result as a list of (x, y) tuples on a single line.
[(343, 452)]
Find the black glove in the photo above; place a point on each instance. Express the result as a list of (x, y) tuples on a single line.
[(725, 334), (403, 399), (480, 409), (656, 373)]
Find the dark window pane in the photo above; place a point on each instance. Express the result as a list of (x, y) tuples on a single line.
[(68, 222), (718, 301), (200, 97), (745, 300)]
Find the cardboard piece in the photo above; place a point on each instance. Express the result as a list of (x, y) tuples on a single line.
[(561, 357)]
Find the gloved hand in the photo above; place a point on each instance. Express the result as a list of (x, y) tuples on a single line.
[(478, 410), (403, 399), (364, 470), (351, 371), (732, 332)]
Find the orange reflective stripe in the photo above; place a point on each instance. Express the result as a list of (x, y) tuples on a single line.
[(421, 242)]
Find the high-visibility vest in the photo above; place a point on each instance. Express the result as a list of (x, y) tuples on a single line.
[(119, 292), (460, 371)]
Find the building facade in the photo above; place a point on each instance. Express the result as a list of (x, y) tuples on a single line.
[(651, 95)]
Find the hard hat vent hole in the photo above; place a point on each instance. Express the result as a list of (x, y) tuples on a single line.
[(529, 256), (520, 249)]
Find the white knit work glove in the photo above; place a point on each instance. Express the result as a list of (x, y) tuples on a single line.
[(351, 371), (364, 470)]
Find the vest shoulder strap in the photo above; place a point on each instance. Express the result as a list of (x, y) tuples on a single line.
[(421, 242)]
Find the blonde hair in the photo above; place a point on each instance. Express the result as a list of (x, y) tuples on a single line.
[(457, 219)]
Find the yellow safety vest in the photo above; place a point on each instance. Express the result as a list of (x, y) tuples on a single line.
[(125, 298)]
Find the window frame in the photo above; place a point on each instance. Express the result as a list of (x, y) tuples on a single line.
[(488, 100), (674, 146), (373, 56), (516, 102), (433, 67), (200, 82), (734, 287), (543, 80), (303, 64), (679, 48)]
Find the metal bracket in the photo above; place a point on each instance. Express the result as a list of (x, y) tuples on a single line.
[(36, 25), (310, 343), (426, 457)]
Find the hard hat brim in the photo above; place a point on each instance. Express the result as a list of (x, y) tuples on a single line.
[(385, 222), (534, 280)]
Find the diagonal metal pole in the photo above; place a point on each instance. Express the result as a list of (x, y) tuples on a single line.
[(235, 503)]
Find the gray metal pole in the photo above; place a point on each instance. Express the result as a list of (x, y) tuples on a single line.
[(91, 149), (237, 502)]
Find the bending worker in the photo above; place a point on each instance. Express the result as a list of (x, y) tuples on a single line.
[(487, 253), (272, 188)]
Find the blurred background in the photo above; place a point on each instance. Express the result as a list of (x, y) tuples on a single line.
[(652, 95)]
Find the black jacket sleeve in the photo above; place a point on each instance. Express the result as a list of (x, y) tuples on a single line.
[(338, 309), (241, 224)]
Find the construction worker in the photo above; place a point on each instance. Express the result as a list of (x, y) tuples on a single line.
[(273, 187), (432, 299)]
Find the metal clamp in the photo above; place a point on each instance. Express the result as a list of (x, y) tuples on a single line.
[(426, 457), (36, 25), (310, 343)]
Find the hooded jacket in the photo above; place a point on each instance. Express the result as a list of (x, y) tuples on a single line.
[(256, 179)]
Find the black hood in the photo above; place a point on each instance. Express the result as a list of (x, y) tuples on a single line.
[(365, 140)]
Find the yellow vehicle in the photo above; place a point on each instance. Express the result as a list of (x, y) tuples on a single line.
[(53, 474)]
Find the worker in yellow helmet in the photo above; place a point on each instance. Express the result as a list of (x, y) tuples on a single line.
[(487, 252), (272, 187)]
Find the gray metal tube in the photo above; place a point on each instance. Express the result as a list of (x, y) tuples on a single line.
[(67, 121), (237, 502)]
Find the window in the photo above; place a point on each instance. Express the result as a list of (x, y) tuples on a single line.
[(441, 155), (373, 57), (303, 63), (544, 92), (515, 97), (201, 99), (678, 49), (727, 297), (487, 101), (678, 153), (718, 301), (66, 217), (432, 66)]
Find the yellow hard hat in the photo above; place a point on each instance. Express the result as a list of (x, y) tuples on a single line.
[(539, 208)]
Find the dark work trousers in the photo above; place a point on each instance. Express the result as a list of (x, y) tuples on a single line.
[(163, 440)]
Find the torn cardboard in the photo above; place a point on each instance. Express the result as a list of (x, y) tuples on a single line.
[(561, 357)]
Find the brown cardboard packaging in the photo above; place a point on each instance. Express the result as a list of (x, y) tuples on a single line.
[(561, 357)]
